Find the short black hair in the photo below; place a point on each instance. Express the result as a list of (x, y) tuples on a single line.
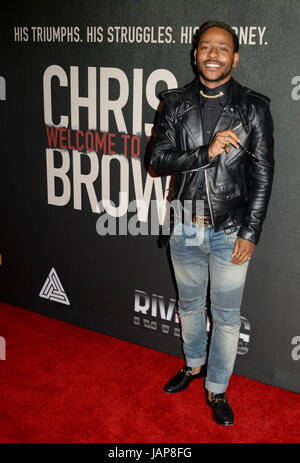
[(220, 24)]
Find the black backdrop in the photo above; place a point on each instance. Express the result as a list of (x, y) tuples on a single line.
[(117, 56)]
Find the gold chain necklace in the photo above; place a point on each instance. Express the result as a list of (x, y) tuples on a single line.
[(211, 96)]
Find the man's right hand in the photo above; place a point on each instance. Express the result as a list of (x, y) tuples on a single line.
[(221, 142)]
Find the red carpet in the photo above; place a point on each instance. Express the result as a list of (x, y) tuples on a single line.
[(62, 383)]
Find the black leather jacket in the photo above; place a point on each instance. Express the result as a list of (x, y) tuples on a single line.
[(238, 186)]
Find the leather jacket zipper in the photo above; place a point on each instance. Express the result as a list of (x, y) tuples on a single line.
[(208, 198)]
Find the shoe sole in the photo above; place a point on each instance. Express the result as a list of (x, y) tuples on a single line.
[(224, 424), (176, 392)]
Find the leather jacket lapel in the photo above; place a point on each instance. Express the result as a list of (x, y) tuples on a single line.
[(191, 120), (189, 114), (230, 114), (226, 120)]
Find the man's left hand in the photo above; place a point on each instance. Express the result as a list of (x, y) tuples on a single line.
[(242, 251)]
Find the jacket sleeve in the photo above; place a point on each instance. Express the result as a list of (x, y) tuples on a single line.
[(261, 175), (166, 157)]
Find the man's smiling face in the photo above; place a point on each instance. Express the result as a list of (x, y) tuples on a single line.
[(215, 57)]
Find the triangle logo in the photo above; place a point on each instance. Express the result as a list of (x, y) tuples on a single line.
[(53, 289)]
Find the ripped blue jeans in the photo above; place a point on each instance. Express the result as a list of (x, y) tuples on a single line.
[(200, 254)]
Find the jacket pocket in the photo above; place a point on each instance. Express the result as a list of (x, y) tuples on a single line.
[(228, 191)]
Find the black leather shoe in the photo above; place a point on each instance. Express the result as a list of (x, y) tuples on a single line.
[(182, 380), (222, 412)]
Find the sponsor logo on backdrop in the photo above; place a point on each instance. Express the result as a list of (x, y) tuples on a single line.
[(154, 312), (295, 94), (244, 340), (295, 353), (53, 289), (2, 88), (2, 348)]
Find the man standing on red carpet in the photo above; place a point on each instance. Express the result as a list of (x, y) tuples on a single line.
[(216, 138)]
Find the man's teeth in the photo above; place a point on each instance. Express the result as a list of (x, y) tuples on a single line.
[(213, 65)]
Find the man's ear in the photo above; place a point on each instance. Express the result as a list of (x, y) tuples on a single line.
[(236, 58)]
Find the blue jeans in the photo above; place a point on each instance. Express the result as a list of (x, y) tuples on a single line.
[(199, 254)]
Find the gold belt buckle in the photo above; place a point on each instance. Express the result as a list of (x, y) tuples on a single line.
[(201, 220)]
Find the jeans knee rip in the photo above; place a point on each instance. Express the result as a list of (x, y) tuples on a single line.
[(189, 311), (217, 307), (234, 326), (182, 313)]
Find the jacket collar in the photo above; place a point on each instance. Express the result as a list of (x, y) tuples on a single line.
[(235, 97), (190, 116)]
